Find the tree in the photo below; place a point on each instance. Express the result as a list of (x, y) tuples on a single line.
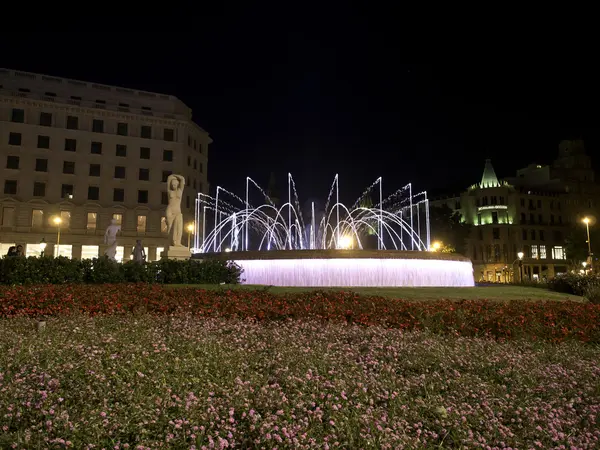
[(449, 228), (576, 247)]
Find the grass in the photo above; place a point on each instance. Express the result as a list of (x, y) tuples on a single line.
[(492, 292)]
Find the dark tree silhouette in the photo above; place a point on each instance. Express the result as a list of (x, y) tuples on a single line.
[(448, 227)]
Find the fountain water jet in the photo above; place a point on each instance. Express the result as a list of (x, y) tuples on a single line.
[(274, 246)]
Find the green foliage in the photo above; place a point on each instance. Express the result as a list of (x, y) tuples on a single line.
[(47, 270), (592, 292), (576, 246), (103, 270), (448, 227), (40, 270), (573, 283)]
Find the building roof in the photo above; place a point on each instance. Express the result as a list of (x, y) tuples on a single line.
[(489, 178)]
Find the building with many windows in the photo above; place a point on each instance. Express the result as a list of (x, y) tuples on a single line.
[(531, 212), (88, 153)]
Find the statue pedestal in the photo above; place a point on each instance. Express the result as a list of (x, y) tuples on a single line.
[(177, 253)]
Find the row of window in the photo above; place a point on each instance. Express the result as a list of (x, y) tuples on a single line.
[(553, 219), (15, 139), (13, 161), (72, 123), (66, 250), (531, 204), (497, 253), (557, 235), (41, 165), (66, 192), (41, 220), (493, 200)]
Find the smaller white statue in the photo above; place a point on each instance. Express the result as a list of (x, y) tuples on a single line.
[(110, 239), (138, 252)]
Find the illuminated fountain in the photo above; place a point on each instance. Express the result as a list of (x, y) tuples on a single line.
[(275, 245)]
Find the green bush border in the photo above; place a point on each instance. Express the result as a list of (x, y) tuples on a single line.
[(48, 270)]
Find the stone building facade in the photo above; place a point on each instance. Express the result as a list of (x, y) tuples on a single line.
[(88, 153), (531, 212)]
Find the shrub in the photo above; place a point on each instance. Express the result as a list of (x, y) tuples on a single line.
[(571, 283), (102, 270), (62, 270), (592, 292), (40, 270)]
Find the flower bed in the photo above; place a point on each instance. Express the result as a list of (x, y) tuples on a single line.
[(148, 381), (553, 321)]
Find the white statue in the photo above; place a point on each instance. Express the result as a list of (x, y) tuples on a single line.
[(138, 252), (175, 185), (110, 239)]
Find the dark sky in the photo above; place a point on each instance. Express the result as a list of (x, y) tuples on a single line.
[(319, 103)]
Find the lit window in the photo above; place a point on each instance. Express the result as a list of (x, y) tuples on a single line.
[(141, 224), (159, 251), (558, 253), (89, 251), (63, 250), (37, 218), (119, 253), (542, 252), (534, 252), (92, 218), (4, 248), (33, 250), (118, 218)]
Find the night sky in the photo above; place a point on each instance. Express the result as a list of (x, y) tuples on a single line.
[(316, 104)]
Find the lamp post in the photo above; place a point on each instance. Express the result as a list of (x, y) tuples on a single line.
[(190, 230), (57, 221), (520, 256), (587, 221), (42, 247)]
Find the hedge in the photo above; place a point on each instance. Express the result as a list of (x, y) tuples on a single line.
[(48, 270)]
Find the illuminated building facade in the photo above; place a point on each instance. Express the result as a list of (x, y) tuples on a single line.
[(531, 212), (86, 153)]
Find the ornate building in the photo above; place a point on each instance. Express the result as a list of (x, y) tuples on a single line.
[(531, 212), (74, 155)]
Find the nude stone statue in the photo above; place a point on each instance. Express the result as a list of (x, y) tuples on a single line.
[(175, 185), (110, 239)]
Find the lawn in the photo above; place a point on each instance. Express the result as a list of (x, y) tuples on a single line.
[(491, 292), (145, 382)]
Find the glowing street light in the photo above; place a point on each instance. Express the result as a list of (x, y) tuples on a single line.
[(345, 242), (587, 221), (57, 221), (436, 246), (190, 230)]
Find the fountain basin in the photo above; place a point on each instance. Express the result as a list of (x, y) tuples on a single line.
[(351, 268)]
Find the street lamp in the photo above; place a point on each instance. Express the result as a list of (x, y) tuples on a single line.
[(435, 246), (587, 221), (57, 221), (520, 259), (190, 230), (42, 246)]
